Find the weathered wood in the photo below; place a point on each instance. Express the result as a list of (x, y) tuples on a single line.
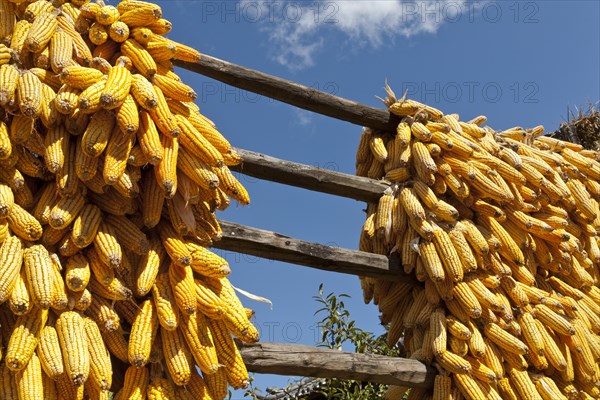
[(274, 246), (293, 93), (302, 360), (308, 177)]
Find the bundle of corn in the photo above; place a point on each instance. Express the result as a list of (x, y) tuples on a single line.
[(583, 129), (109, 182), (500, 230)]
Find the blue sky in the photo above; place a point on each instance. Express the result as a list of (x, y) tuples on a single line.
[(518, 63)]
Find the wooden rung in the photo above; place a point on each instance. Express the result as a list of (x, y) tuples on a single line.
[(293, 93), (274, 246), (305, 176), (302, 360)]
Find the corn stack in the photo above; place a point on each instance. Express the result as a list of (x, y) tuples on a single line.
[(499, 230), (109, 182)]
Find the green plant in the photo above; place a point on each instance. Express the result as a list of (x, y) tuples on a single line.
[(338, 329)]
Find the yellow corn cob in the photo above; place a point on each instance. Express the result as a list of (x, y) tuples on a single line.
[(148, 266), (71, 335), (205, 127), (152, 200), (200, 341), (177, 356), (65, 211), (162, 116), (106, 15), (24, 338), (49, 114), (182, 52), (442, 387), (480, 371), (453, 363), (207, 263), (67, 99), (197, 144), (468, 386), (523, 385), (98, 34), (59, 299), (149, 139), (57, 142), (448, 255), (164, 300), (86, 225), (29, 90), (166, 169), (19, 300), (80, 301), (161, 27), (553, 320), (79, 77), (11, 258), (61, 50), (38, 268), (229, 355), (142, 60), (21, 129), (19, 35), (437, 326), (116, 289), (184, 290), (231, 186), (8, 386), (504, 339), (117, 87), (118, 31), (135, 384), (29, 380), (77, 273), (117, 154), (102, 311), (5, 54), (41, 31), (143, 332), (128, 234), (89, 99), (100, 364), (5, 142), (217, 383), (9, 80), (127, 116), (49, 352), (431, 261), (506, 390)]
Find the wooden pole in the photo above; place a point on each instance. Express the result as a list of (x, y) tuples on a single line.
[(274, 246), (302, 360), (292, 93), (305, 176)]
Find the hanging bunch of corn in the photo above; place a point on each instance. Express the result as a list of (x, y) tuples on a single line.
[(109, 181), (500, 231)]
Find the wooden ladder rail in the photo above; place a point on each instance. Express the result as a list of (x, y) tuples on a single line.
[(298, 359), (292, 93), (308, 177)]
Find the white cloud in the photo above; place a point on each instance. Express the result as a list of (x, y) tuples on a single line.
[(298, 30), (303, 117)]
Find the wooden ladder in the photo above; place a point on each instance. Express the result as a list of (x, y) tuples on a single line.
[(295, 359)]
